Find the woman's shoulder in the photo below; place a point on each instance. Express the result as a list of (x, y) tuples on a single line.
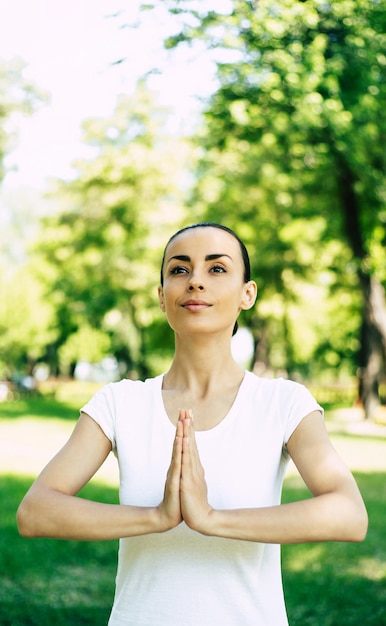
[(125, 390), (279, 387), (131, 385), (271, 383)]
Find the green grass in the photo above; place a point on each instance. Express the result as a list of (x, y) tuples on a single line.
[(45, 582), (339, 584), (60, 400), (38, 407), (49, 582)]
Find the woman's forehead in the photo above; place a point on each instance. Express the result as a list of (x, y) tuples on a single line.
[(213, 240)]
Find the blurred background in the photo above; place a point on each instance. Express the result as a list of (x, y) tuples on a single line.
[(121, 122)]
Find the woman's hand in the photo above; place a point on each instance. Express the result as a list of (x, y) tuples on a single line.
[(195, 508), (170, 508), (186, 492), (313, 519)]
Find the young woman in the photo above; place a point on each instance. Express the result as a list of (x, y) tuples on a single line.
[(202, 452)]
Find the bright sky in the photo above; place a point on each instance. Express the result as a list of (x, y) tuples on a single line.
[(71, 49)]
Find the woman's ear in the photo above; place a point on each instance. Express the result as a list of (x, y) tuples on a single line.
[(249, 295), (161, 298)]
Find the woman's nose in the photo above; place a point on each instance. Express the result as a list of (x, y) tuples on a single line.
[(193, 285)]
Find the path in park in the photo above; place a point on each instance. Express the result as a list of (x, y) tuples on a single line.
[(26, 446)]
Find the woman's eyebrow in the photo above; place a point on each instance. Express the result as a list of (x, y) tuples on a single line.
[(179, 257), (209, 257), (213, 257)]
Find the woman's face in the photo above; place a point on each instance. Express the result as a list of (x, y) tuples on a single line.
[(203, 288)]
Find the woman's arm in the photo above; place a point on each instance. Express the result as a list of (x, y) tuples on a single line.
[(51, 508), (336, 511)]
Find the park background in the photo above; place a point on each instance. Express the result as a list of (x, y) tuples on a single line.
[(122, 122)]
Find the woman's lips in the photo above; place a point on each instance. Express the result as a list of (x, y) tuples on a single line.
[(196, 305)]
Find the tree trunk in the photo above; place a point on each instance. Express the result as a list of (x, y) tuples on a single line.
[(261, 359), (373, 345), (373, 335)]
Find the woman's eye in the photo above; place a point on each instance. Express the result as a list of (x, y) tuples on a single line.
[(218, 269), (178, 270)]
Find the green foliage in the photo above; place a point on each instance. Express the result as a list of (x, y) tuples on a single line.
[(294, 160), (26, 320), (101, 252), (291, 156), (86, 344)]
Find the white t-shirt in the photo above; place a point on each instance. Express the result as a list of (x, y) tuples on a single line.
[(180, 577)]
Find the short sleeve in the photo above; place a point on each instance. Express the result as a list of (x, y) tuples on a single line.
[(101, 408), (299, 403)]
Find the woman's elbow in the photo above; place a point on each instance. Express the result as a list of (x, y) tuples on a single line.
[(22, 521), (356, 525), (360, 525), (26, 519)]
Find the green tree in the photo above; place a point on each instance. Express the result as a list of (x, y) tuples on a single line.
[(87, 344), (26, 321), (24, 316), (295, 135), (101, 251)]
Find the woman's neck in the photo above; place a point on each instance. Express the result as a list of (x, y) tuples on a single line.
[(202, 365)]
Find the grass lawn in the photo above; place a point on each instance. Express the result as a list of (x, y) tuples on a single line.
[(45, 582), (49, 582), (339, 584)]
